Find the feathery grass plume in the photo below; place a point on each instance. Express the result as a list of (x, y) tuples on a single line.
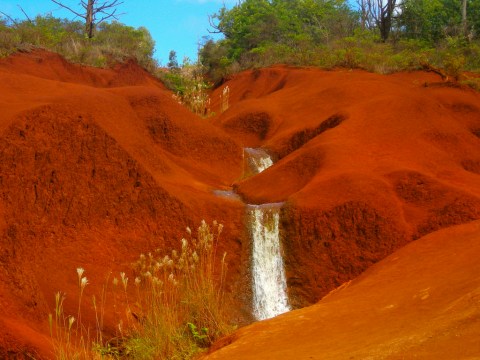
[(182, 297), (75, 342), (179, 306), (80, 272), (225, 98), (82, 283), (66, 342)]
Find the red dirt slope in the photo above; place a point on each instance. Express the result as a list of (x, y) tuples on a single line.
[(366, 163), (96, 167), (422, 302)]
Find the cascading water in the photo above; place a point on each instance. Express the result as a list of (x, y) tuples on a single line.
[(269, 282), (257, 160), (268, 274)]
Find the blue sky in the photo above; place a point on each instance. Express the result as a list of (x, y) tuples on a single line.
[(174, 24)]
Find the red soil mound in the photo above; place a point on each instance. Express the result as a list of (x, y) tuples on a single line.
[(421, 302), (96, 167), (366, 163), (50, 66)]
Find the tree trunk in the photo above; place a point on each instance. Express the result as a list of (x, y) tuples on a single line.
[(382, 13), (89, 25), (364, 15), (464, 18), (385, 23), (107, 9)]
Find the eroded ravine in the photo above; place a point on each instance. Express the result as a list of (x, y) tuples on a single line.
[(268, 280), (269, 284)]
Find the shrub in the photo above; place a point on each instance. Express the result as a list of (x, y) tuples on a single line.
[(9, 40), (181, 297), (472, 83), (120, 42), (180, 306), (113, 42), (190, 87)]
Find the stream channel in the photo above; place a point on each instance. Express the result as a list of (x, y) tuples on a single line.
[(269, 285)]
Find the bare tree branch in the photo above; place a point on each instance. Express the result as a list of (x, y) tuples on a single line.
[(24, 13), (9, 18), (108, 16), (380, 13), (69, 9), (212, 24), (114, 3), (363, 11), (92, 8)]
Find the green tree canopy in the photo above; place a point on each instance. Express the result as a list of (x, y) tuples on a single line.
[(253, 24), (433, 20)]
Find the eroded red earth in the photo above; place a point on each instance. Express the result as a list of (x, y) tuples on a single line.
[(422, 302), (98, 166)]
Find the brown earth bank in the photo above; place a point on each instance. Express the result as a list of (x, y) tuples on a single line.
[(365, 163), (422, 302), (96, 167), (100, 165)]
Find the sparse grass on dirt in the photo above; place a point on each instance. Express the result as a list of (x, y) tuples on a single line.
[(176, 308)]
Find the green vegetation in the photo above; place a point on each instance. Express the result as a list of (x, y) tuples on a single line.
[(113, 41), (93, 12), (189, 84), (400, 35), (332, 33), (177, 308)]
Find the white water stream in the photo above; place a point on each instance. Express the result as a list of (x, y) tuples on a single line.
[(269, 282), (257, 160), (268, 275)]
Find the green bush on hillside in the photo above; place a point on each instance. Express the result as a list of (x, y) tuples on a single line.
[(333, 33), (113, 42), (189, 85)]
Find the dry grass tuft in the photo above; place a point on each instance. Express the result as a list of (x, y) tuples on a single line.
[(181, 297), (178, 307)]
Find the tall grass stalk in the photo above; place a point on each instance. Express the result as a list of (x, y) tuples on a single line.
[(177, 308), (68, 342), (225, 98), (182, 296)]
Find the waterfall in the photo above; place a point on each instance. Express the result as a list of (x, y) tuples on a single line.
[(269, 282), (257, 160), (227, 194)]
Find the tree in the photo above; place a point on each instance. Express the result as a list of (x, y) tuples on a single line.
[(256, 25), (425, 19), (464, 18), (363, 12), (172, 60), (433, 20), (93, 9), (381, 13)]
